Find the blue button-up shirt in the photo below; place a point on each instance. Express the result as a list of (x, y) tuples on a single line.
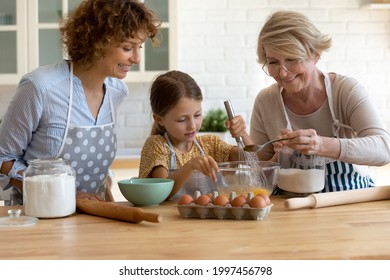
[(34, 125)]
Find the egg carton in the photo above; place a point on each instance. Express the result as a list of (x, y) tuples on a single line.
[(211, 211)]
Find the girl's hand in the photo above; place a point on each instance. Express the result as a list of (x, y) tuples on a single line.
[(237, 128), (205, 164)]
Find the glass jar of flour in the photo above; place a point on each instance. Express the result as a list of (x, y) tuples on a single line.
[(49, 188), (300, 174)]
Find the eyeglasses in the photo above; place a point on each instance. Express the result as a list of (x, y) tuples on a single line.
[(273, 68)]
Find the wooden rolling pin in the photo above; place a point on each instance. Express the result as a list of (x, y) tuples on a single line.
[(338, 198), (116, 211)]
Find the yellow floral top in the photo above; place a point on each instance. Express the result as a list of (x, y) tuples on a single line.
[(155, 152)]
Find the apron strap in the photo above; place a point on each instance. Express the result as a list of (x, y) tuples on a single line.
[(289, 126), (173, 154), (336, 123), (173, 164), (328, 88), (112, 109), (69, 109)]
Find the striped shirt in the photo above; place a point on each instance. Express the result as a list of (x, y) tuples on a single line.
[(35, 123)]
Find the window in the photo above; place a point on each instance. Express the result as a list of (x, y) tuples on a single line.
[(29, 38)]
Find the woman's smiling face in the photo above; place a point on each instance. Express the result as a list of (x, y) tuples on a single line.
[(296, 80), (119, 58)]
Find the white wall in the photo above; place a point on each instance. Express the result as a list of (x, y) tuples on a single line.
[(217, 46)]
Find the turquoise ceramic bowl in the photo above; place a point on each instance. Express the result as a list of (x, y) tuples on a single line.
[(146, 191)]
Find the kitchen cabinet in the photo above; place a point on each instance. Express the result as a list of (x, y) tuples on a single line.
[(376, 4), (13, 60), (29, 35), (155, 60), (29, 38)]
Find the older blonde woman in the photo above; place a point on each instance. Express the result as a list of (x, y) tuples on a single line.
[(326, 114)]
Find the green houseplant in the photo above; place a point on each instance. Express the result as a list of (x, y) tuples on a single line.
[(214, 121)]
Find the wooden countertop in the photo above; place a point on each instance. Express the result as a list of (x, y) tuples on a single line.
[(355, 231)]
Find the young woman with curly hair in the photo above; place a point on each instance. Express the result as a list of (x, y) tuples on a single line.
[(67, 110)]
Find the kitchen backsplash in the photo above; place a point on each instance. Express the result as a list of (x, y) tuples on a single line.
[(217, 46)]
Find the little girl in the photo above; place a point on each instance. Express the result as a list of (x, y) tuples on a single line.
[(174, 150)]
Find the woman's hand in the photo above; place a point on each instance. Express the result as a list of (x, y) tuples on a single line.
[(305, 141), (90, 196), (278, 145), (205, 164)]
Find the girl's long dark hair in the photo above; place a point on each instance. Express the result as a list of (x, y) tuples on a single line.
[(167, 89)]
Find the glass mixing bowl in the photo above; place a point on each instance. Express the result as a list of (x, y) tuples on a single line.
[(242, 177)]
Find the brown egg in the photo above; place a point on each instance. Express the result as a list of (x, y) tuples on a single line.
[(185, 200), (244, 196), (203, 200), (257, 202), (239, 201), (266, 198), (221, 200)]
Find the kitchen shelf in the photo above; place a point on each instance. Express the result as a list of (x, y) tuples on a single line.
[(377, 6)]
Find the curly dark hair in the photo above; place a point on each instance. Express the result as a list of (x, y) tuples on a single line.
[(96, 24)]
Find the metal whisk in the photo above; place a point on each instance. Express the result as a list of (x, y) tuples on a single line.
[(250, 159), (231, 115)]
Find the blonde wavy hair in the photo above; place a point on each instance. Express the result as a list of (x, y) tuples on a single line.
[(292, 35)]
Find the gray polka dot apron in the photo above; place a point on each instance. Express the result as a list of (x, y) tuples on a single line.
[(197, 182), (339, 175), (90, 150)]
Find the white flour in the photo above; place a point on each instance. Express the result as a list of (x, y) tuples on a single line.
[(301, 181), (49, 196)]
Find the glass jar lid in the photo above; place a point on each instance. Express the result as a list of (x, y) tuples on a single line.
[(14, 219)]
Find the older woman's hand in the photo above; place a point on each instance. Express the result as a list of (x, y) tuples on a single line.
[(305, 141)]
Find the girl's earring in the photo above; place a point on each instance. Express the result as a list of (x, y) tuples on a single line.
[(161, 127)]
